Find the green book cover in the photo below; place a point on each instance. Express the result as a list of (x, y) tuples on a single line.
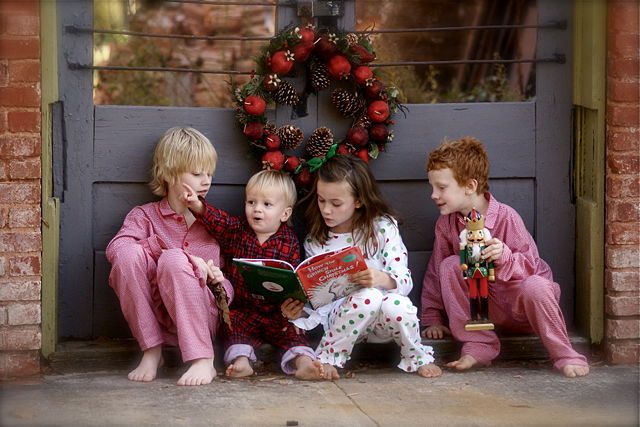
[(271, 281), (319, 279)]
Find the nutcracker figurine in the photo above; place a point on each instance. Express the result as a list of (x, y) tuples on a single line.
[(477, 272)]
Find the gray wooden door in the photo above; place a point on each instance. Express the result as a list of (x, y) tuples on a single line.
[(105, 151)]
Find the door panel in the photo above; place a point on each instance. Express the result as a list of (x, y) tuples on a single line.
[(121, 140)]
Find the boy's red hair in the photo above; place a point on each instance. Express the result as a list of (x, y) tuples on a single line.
[(466, 157)]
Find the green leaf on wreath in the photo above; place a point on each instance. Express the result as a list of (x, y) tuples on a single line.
[(374, 151)]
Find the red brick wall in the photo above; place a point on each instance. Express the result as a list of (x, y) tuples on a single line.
[(622, 247), (20, 144)]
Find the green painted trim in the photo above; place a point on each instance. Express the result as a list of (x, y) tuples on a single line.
[(50, 205), (589, 84)]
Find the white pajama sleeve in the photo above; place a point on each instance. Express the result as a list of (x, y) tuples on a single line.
[(394, 257)]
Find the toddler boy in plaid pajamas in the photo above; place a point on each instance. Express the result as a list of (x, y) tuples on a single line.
[(269, 199)]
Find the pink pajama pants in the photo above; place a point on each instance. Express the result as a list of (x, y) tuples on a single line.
[(165, 303), (530, 306)]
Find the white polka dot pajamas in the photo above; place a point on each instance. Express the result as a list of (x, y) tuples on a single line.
[(372, 314)]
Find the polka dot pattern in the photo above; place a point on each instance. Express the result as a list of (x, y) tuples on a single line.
[(371, 314)]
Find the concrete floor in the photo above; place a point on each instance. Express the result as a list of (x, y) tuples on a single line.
[(370, 394)]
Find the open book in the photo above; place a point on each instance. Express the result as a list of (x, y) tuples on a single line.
[(319, 279)]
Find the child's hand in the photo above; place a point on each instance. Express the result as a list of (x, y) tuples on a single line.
[(493, 251), (297, 330), (373, 277), (214, 274), (292, 308), (208, 269), (435, 332), (190, 199)]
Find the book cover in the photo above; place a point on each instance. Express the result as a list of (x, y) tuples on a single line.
[(319, 279), (274, 280)]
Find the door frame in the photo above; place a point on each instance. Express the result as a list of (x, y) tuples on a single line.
[(76, 123)]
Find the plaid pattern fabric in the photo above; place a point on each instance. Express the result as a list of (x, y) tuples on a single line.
[(253, 321), (238, 240), (256, 326)]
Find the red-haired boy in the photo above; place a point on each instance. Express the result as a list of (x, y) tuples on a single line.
[(524, 298)]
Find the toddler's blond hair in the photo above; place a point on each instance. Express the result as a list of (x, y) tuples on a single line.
[(275, 178)]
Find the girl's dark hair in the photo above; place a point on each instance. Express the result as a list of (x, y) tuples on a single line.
[(364, 188)]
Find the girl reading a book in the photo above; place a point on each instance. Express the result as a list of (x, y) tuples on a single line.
[(346, 208)]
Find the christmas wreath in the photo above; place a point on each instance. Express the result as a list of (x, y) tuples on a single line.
[(321, 56)]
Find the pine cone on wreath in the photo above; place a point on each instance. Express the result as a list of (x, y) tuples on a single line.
[(270, 128), (352, 39), (363, 120), (319, 142), (290, 137), (347, 103), (286, 94), (320, 77)]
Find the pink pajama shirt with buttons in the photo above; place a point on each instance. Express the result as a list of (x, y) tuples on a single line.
[(523, 299), (162, 292)]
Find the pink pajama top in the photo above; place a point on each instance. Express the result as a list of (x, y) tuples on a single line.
[(156, 227), (519, 260)]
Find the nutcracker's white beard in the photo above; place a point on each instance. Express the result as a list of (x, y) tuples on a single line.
[(475, 252)]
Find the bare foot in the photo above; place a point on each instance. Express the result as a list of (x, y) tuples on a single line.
[(241, 367), (308, 369), (464, 363), (429, 371), (330, 372), (572, 371), (148, 366), (200, 372)]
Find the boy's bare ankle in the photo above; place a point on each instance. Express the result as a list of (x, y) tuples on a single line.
[(147, 369), (465, 362), (201, 372), (240, 367)]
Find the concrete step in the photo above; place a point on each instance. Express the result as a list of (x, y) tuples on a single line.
[(123, 354)]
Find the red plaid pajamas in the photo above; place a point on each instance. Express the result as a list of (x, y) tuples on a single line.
[(255, 327), (254, 321)]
